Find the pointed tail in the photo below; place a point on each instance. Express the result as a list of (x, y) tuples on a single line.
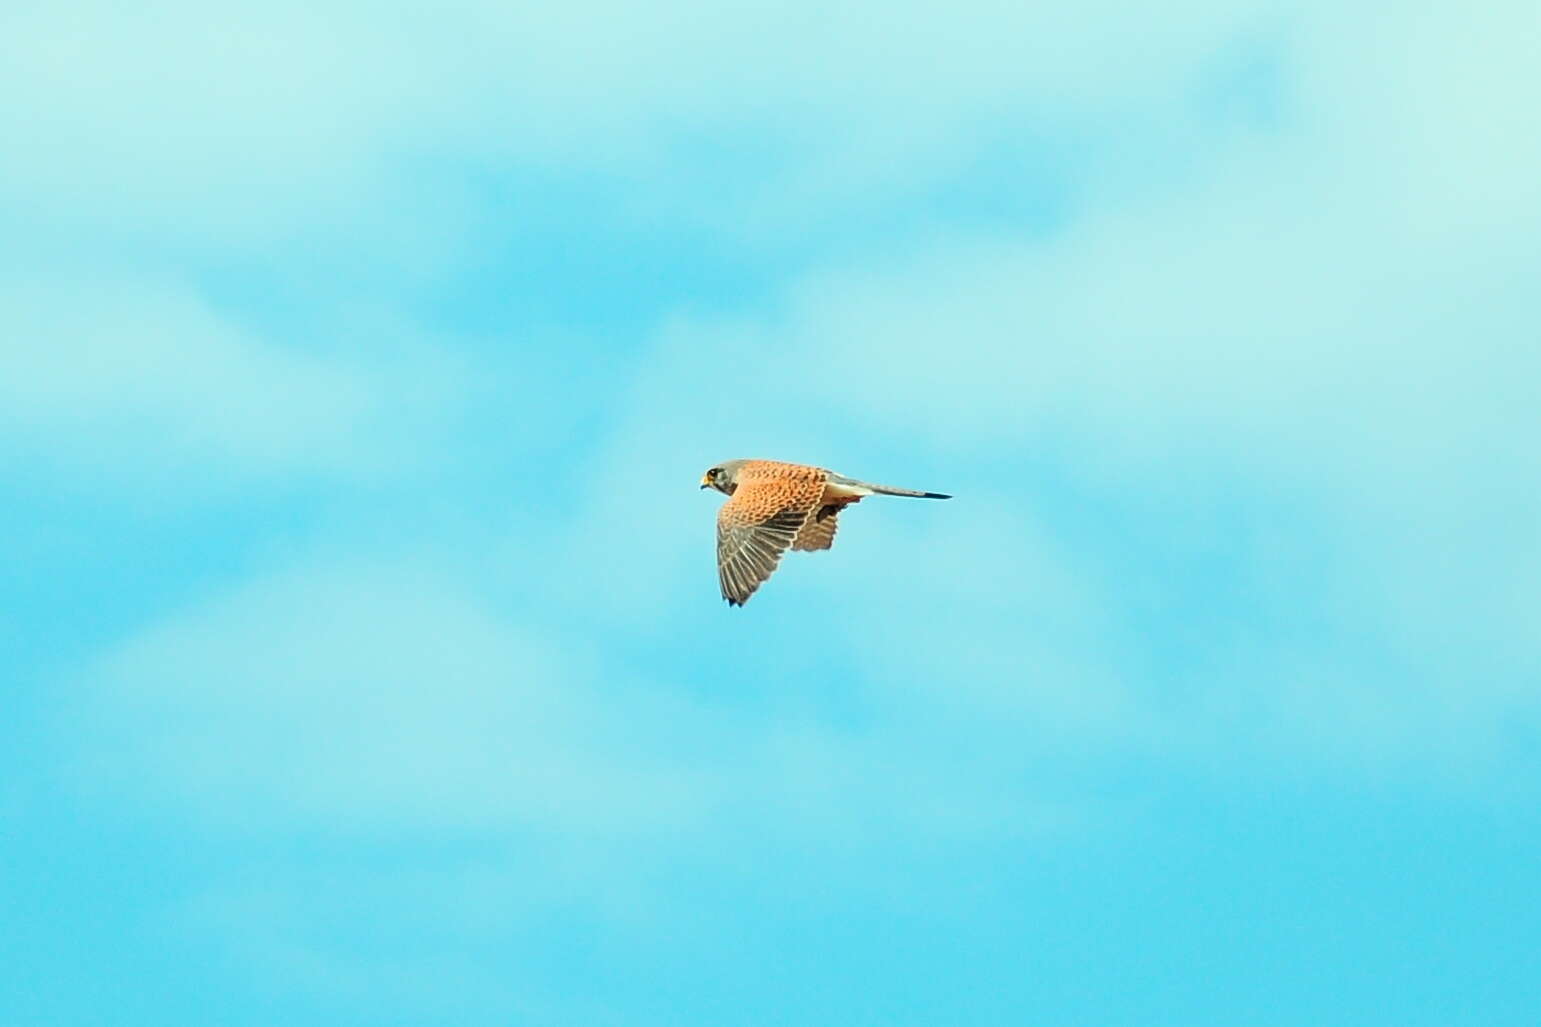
[(889, 490), (893, 491), (856, 489)]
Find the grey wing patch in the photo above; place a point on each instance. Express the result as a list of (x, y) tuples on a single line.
[(818, 531), (747, 553)]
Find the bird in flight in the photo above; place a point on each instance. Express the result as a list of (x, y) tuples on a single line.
[(773, 506)]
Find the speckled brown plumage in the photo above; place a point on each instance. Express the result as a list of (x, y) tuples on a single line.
[(818, 531), (773, 507), (769, 505)]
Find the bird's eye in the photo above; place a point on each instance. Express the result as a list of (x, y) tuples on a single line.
[(715, 472)]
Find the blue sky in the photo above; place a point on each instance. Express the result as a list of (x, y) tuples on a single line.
[(362, 653)]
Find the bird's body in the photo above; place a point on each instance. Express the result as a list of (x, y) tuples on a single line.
[(775, 506)]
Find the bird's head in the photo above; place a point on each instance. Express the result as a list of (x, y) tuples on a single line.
[(723, 477)]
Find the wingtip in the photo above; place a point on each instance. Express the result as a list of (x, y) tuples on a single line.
[(935, 495)]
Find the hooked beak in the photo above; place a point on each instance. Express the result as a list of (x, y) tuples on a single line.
[(706, 481)]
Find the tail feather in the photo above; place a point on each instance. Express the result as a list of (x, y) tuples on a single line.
[(889, 490), (856, 489)]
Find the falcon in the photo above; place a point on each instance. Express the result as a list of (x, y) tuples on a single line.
[(774, 506)]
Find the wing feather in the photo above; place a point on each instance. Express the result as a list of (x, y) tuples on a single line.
[(818, 532), (754, 528)]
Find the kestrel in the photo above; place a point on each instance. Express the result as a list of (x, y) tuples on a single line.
[(774, 506)]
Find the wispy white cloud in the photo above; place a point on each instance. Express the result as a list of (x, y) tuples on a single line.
[(194, 123), (381, 697), (252, 127), (138, 381), (384, 698), (1332, 319), (1315, 313), (524, 780), (1274, 320)]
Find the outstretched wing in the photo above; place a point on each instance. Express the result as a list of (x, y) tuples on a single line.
[(818, 531), (755, 527)]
